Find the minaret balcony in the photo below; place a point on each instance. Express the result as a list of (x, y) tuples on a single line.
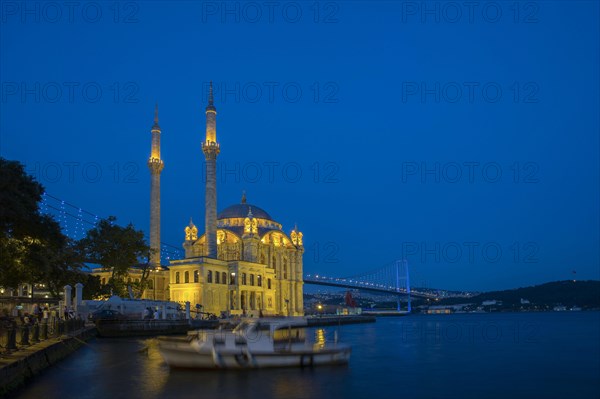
[(211, 149), (210, 144), (155, 164)]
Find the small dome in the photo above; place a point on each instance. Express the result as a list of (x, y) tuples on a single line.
[(241, 211)]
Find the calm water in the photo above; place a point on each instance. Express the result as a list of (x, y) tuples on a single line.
[(518, 355)]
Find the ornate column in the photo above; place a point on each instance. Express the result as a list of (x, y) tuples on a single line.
[(156, 165), (211, 150)]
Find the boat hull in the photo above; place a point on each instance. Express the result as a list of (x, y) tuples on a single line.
[(180, 354)]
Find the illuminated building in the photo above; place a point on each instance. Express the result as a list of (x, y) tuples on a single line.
[(244, 263)]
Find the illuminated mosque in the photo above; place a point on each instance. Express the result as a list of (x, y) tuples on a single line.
[(243, 264)]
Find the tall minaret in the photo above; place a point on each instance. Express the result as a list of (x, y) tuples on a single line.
[(155, 164), (211, 149)]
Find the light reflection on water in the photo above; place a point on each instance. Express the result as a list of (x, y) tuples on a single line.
[(535, 355)]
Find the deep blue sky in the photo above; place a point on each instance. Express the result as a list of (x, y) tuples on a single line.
[(368, 133)]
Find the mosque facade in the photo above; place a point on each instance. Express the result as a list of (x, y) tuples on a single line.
[(243, 264)]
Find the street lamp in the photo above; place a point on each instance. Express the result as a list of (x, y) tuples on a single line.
[(232, 294)]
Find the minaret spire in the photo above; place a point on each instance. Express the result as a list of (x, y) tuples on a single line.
[(211, 99), (211, 150), (156, 116), (156, 165)]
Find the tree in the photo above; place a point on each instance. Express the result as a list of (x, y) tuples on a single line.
[(20, 194), (116, 249), (19, 197), (32, 246)]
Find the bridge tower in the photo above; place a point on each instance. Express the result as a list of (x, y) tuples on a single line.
[(211, 150), (399, 264), (156, 165)]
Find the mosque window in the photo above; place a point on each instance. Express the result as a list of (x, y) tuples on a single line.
[(186, 277), (224, 278), (269, 283), (217, 274), (243, 278), (196, 276), (177, 278), (252, 279), (259, 280)]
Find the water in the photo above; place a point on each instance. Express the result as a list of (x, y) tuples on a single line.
[(517, 355)]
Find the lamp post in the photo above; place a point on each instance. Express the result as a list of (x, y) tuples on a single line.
[(232, 282), (154, 287)]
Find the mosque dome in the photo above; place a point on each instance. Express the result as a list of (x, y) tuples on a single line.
[(242, 210), (232, 218)]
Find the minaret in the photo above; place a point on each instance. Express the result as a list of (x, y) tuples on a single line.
[(211, 149), (156, 165)]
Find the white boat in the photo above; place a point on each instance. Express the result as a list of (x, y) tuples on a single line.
[(254, 343)]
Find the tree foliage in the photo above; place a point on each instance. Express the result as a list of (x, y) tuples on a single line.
[(32, 246), (116, 249)]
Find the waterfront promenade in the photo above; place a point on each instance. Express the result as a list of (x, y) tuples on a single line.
[(26, 350)]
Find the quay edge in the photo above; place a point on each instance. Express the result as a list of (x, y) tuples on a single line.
[(18, 368)]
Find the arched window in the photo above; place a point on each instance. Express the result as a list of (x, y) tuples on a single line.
[(217, 274), (209, 276), (285, 269), (176, 277), (186, 277), (252, 279), (151, 284), (243, 279), (196, 276), (269, 283), (232, 280), (224, 278), (259, 280)]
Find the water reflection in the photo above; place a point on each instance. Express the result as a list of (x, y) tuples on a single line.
[(388, 357), (319, 338)]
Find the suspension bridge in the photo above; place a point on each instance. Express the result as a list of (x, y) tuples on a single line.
[(391, 279)]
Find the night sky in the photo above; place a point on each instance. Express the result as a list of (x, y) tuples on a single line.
[(462, 139)]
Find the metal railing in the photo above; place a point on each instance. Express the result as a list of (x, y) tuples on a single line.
[(14, 336)]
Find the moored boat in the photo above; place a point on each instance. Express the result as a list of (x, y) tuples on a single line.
[(254, 343)]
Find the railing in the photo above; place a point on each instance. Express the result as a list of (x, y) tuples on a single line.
[(15, 336)]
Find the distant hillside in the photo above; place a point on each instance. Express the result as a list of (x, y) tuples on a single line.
[(585, 294)]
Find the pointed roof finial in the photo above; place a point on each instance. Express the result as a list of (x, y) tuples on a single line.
[(156, 126), (295, 226), (250, 212), (243, 196), (211, 99), (191, 222)]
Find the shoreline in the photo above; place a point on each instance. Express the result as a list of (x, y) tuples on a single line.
[(19, 367)]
